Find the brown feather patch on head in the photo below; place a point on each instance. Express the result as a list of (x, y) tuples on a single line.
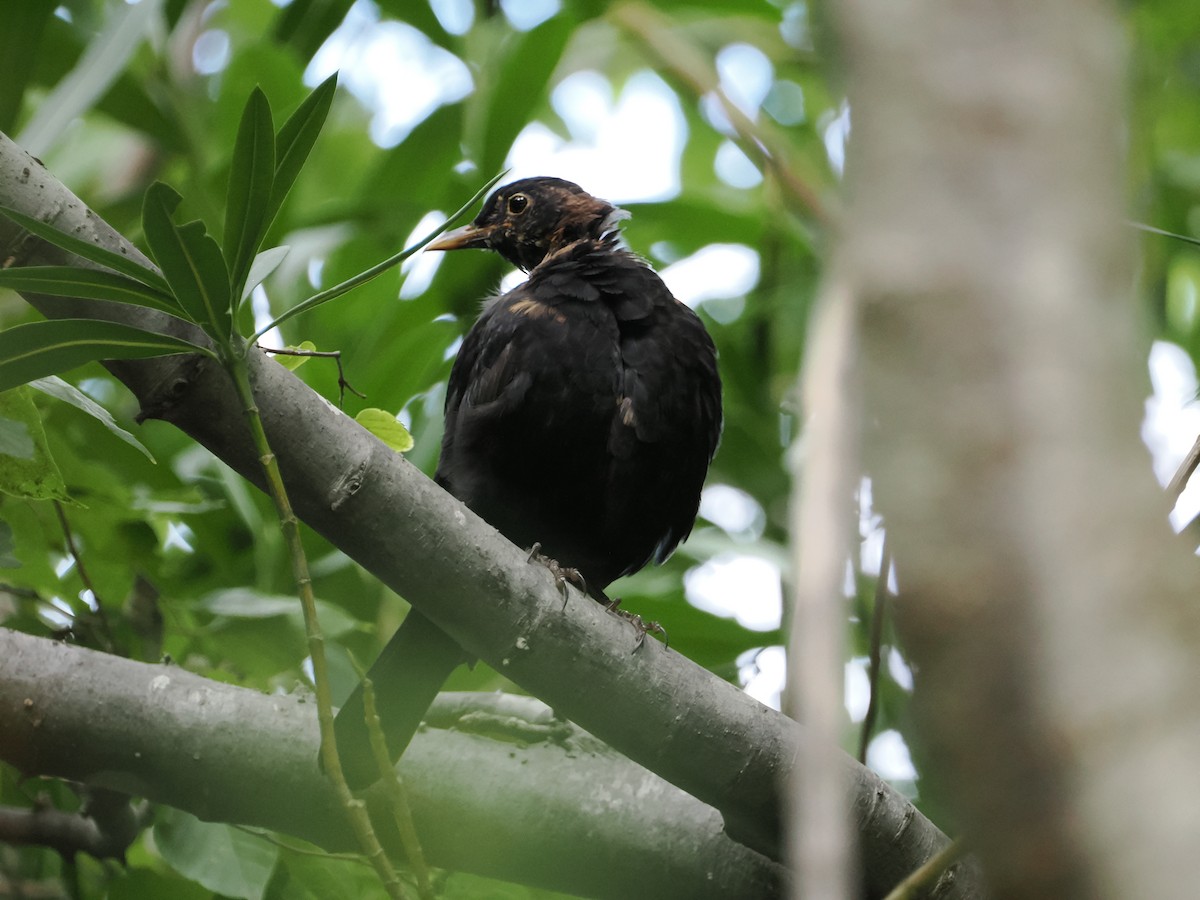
[(532, 218)]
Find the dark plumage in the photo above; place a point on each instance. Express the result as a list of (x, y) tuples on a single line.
[(584, 406), (582, 413)]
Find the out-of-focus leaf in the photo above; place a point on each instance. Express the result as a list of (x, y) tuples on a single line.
[(296, 139), (438, 137), (68, 393), (145, 883), (190, 260), (106, 56), (520, 85), (251, 180), (226, 860), (27, 469), (307, 24), (245, 603), (8, 559), (72, 281), (128, 100), (102, 256), (316, 876), (386, 427), (14, 439), (38, 349), (20, 43), (421, 17)]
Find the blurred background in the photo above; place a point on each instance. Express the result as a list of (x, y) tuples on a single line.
[(719, 124)]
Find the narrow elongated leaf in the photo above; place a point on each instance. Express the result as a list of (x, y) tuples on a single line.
[(87, 250), (68, 393), (375, 271), (106, 56), (295, 141), (191, 261), (46, 348), (92, 284), (264, 264), (20, 41), (251, 177)]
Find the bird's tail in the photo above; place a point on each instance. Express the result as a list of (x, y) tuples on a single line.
[(407, 677)]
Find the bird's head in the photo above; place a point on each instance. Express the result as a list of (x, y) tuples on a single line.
[(529, 219)]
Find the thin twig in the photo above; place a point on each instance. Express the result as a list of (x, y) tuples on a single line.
[(335, 355), (397, 796), (103, 633), (915, 884), (1184, 472), (354, 808), (878, 614), (689, 65)]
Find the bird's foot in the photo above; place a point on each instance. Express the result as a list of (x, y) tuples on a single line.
[(563, 575), (640, 625)]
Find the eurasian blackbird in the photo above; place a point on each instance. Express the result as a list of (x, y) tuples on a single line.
[(582, 412)]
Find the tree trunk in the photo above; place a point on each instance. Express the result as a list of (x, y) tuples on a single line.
[(1050, 612)]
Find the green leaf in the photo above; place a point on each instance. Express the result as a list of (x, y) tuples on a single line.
[(251, 178), (264, 264), (92, 284), (20, 41), (14, 439), (295, 141), (293, 362), (191, 261), (38, 349), (106, 56), (8, 556), (386, 427), (520, 84), (68, 393), (226, 860), (375, 271), (102, 256), (246, 603), (27, 469)]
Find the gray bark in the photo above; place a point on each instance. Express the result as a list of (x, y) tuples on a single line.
[(691, 728), (499, 789), (1050, 611)]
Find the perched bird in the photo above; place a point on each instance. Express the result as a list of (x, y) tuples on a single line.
[(582, 411), (584, 406)]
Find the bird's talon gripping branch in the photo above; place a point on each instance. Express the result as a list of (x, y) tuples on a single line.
[(563, 575), (643, 627)]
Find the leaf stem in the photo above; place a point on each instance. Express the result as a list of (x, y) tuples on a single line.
[(376, 270), (238, 367), (396, 794)]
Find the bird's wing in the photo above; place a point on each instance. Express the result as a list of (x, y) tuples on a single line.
[(668, 420)]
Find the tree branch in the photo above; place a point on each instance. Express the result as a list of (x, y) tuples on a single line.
[(103, 836), (526, 811), (698, 732)]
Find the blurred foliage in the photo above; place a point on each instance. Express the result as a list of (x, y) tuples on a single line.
[(183, 558)]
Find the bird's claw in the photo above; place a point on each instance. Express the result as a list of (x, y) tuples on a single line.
[(640, 625), (563, 575)]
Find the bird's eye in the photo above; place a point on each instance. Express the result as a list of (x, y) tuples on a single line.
[(517, 204)]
